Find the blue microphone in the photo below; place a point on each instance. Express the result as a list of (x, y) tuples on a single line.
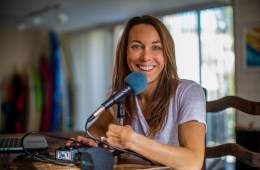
[(135, 82)]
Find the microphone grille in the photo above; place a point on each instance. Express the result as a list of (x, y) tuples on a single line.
[(96, 159), (137, 81)]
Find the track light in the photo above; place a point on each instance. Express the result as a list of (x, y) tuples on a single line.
[(62, 18), (36, 18), (22, 27)]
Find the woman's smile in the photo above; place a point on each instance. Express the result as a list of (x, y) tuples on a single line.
[(146, 67)]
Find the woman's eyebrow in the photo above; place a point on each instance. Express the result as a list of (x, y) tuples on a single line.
[(155, 42), (135, 41)]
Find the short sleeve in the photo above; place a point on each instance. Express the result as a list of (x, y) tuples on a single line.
[(191, 102)]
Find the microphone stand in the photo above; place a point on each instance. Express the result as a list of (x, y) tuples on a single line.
[(120, 116), (121, 113)]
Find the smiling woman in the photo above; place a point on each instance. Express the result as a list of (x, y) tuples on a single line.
[(166, 122)]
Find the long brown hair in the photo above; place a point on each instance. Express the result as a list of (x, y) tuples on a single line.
[(168, 80)]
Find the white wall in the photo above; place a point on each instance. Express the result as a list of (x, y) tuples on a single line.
[(19, 49), (246, 12)]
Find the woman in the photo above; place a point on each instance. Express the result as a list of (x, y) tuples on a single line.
[(166, 122)]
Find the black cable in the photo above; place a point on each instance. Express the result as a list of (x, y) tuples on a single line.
[(47, 159), (61, 162), (119, 150)]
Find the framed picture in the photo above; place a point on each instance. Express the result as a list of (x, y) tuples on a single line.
[(252, 46)]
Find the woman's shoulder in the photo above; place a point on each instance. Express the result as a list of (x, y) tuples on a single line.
[(190, 86), (186, 83)]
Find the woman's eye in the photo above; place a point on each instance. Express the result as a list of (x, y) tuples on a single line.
[(136, 46), (156, 47)]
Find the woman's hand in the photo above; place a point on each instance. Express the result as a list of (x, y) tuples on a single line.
[(80, 139), (119, 136)]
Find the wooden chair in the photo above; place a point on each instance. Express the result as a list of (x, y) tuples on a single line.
[(246, 156)]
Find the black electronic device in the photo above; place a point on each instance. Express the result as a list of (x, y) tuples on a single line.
[(95, 158), (71, 153), (12, 143)]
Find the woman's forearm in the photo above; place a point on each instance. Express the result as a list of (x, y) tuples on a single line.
[(176, 157)]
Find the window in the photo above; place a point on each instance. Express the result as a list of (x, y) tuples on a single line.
[(204, 53), (184, 30)]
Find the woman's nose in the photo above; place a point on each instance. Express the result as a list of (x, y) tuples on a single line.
[(146, 55)]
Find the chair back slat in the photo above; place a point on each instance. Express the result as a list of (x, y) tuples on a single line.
[(246, 156), (235, 102)]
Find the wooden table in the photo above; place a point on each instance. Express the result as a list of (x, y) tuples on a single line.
[(10, 161)]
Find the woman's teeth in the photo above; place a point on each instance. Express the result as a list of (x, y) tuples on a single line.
[(146, 68)]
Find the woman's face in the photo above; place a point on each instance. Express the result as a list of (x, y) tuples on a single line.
[(145, 52)]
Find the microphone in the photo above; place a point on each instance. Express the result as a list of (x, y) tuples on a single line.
[(96, 159), (135, 82)]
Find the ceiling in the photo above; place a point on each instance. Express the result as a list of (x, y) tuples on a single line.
[(82, 14)]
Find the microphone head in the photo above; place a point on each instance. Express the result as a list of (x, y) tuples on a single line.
[(96, 159), (137, 81)]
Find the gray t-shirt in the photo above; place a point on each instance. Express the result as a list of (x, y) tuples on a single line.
[(188, 104)]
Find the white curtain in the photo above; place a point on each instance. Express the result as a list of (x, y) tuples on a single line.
[(91, 57)]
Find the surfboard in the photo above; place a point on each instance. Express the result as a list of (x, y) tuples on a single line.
[(46, 79), (30, 101), (56, 79), (35, 99), (38, 98), (66, 110), (61, 103)]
